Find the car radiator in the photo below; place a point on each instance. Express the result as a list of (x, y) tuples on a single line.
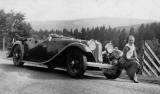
[(98, 52)]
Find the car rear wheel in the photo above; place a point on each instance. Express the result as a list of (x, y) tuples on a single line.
[(76, 63), (17, 56), (112, 73)]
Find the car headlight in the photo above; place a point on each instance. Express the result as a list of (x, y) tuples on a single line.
[(91, 44)]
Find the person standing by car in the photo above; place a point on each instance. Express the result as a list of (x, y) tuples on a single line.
[(131, 64)]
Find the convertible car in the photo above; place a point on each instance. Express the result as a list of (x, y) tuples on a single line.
[(75, 55)]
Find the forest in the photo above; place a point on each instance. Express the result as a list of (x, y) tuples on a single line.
[(118, 37)]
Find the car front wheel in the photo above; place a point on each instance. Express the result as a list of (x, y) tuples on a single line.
[(76, 63), (17, 56)]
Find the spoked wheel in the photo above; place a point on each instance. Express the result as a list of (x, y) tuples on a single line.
[(112, 73), (17, 56), (76, 63)]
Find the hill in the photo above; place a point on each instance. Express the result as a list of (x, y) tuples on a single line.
[(91, 22)]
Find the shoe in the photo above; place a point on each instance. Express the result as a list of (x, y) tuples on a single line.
[(135, 81)]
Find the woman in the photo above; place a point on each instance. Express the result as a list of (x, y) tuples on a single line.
[(131, 64)]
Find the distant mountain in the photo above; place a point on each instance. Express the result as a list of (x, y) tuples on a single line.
[(92, 22)]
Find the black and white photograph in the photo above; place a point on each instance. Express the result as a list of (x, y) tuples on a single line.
[(79, 46)]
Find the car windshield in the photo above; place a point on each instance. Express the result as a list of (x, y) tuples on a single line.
[(55, 35), (51, 36)]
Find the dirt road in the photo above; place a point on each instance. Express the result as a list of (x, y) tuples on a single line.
[(31, 79)]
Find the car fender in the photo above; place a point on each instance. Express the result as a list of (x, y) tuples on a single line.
[(12, 49), (81, 46)]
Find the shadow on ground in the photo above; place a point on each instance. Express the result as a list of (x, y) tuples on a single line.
[(42, 73), (144, 79), (152, 80)]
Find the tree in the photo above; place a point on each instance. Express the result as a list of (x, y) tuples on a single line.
[(76, 33), (11, 23), (148, 34), (132, 32), (83, 33), (122, 39), (157, 31)]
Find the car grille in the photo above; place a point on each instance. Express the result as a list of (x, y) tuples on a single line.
[(98, 52)]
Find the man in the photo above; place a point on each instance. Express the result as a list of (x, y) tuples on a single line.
[(131, 64)]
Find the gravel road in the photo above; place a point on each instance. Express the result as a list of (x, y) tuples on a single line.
[(33, 79)]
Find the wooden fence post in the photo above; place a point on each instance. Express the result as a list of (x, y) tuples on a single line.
[(150, 60), (4, 43)]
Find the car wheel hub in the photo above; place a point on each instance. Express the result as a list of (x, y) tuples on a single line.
[(74, 65), (17, 57)]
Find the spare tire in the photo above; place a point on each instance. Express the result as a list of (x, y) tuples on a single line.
[(112, 73)]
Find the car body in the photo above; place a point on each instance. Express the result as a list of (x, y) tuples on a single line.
[(59, 51)]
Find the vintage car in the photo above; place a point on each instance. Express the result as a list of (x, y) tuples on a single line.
[(75, 55)]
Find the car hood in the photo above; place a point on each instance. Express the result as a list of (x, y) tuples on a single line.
[(70, 40)]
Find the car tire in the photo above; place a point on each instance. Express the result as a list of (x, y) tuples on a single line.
[(17, 56), (76, 63), (112, 73)]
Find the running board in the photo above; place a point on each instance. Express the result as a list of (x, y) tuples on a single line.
[(91, 64), (100, 65), (31, 62)]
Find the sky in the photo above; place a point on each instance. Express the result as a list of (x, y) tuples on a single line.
[(47, 10)]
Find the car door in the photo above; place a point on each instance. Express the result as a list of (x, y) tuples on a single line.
[(39, 52)]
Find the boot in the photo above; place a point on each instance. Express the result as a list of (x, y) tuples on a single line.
[(135, 80)]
